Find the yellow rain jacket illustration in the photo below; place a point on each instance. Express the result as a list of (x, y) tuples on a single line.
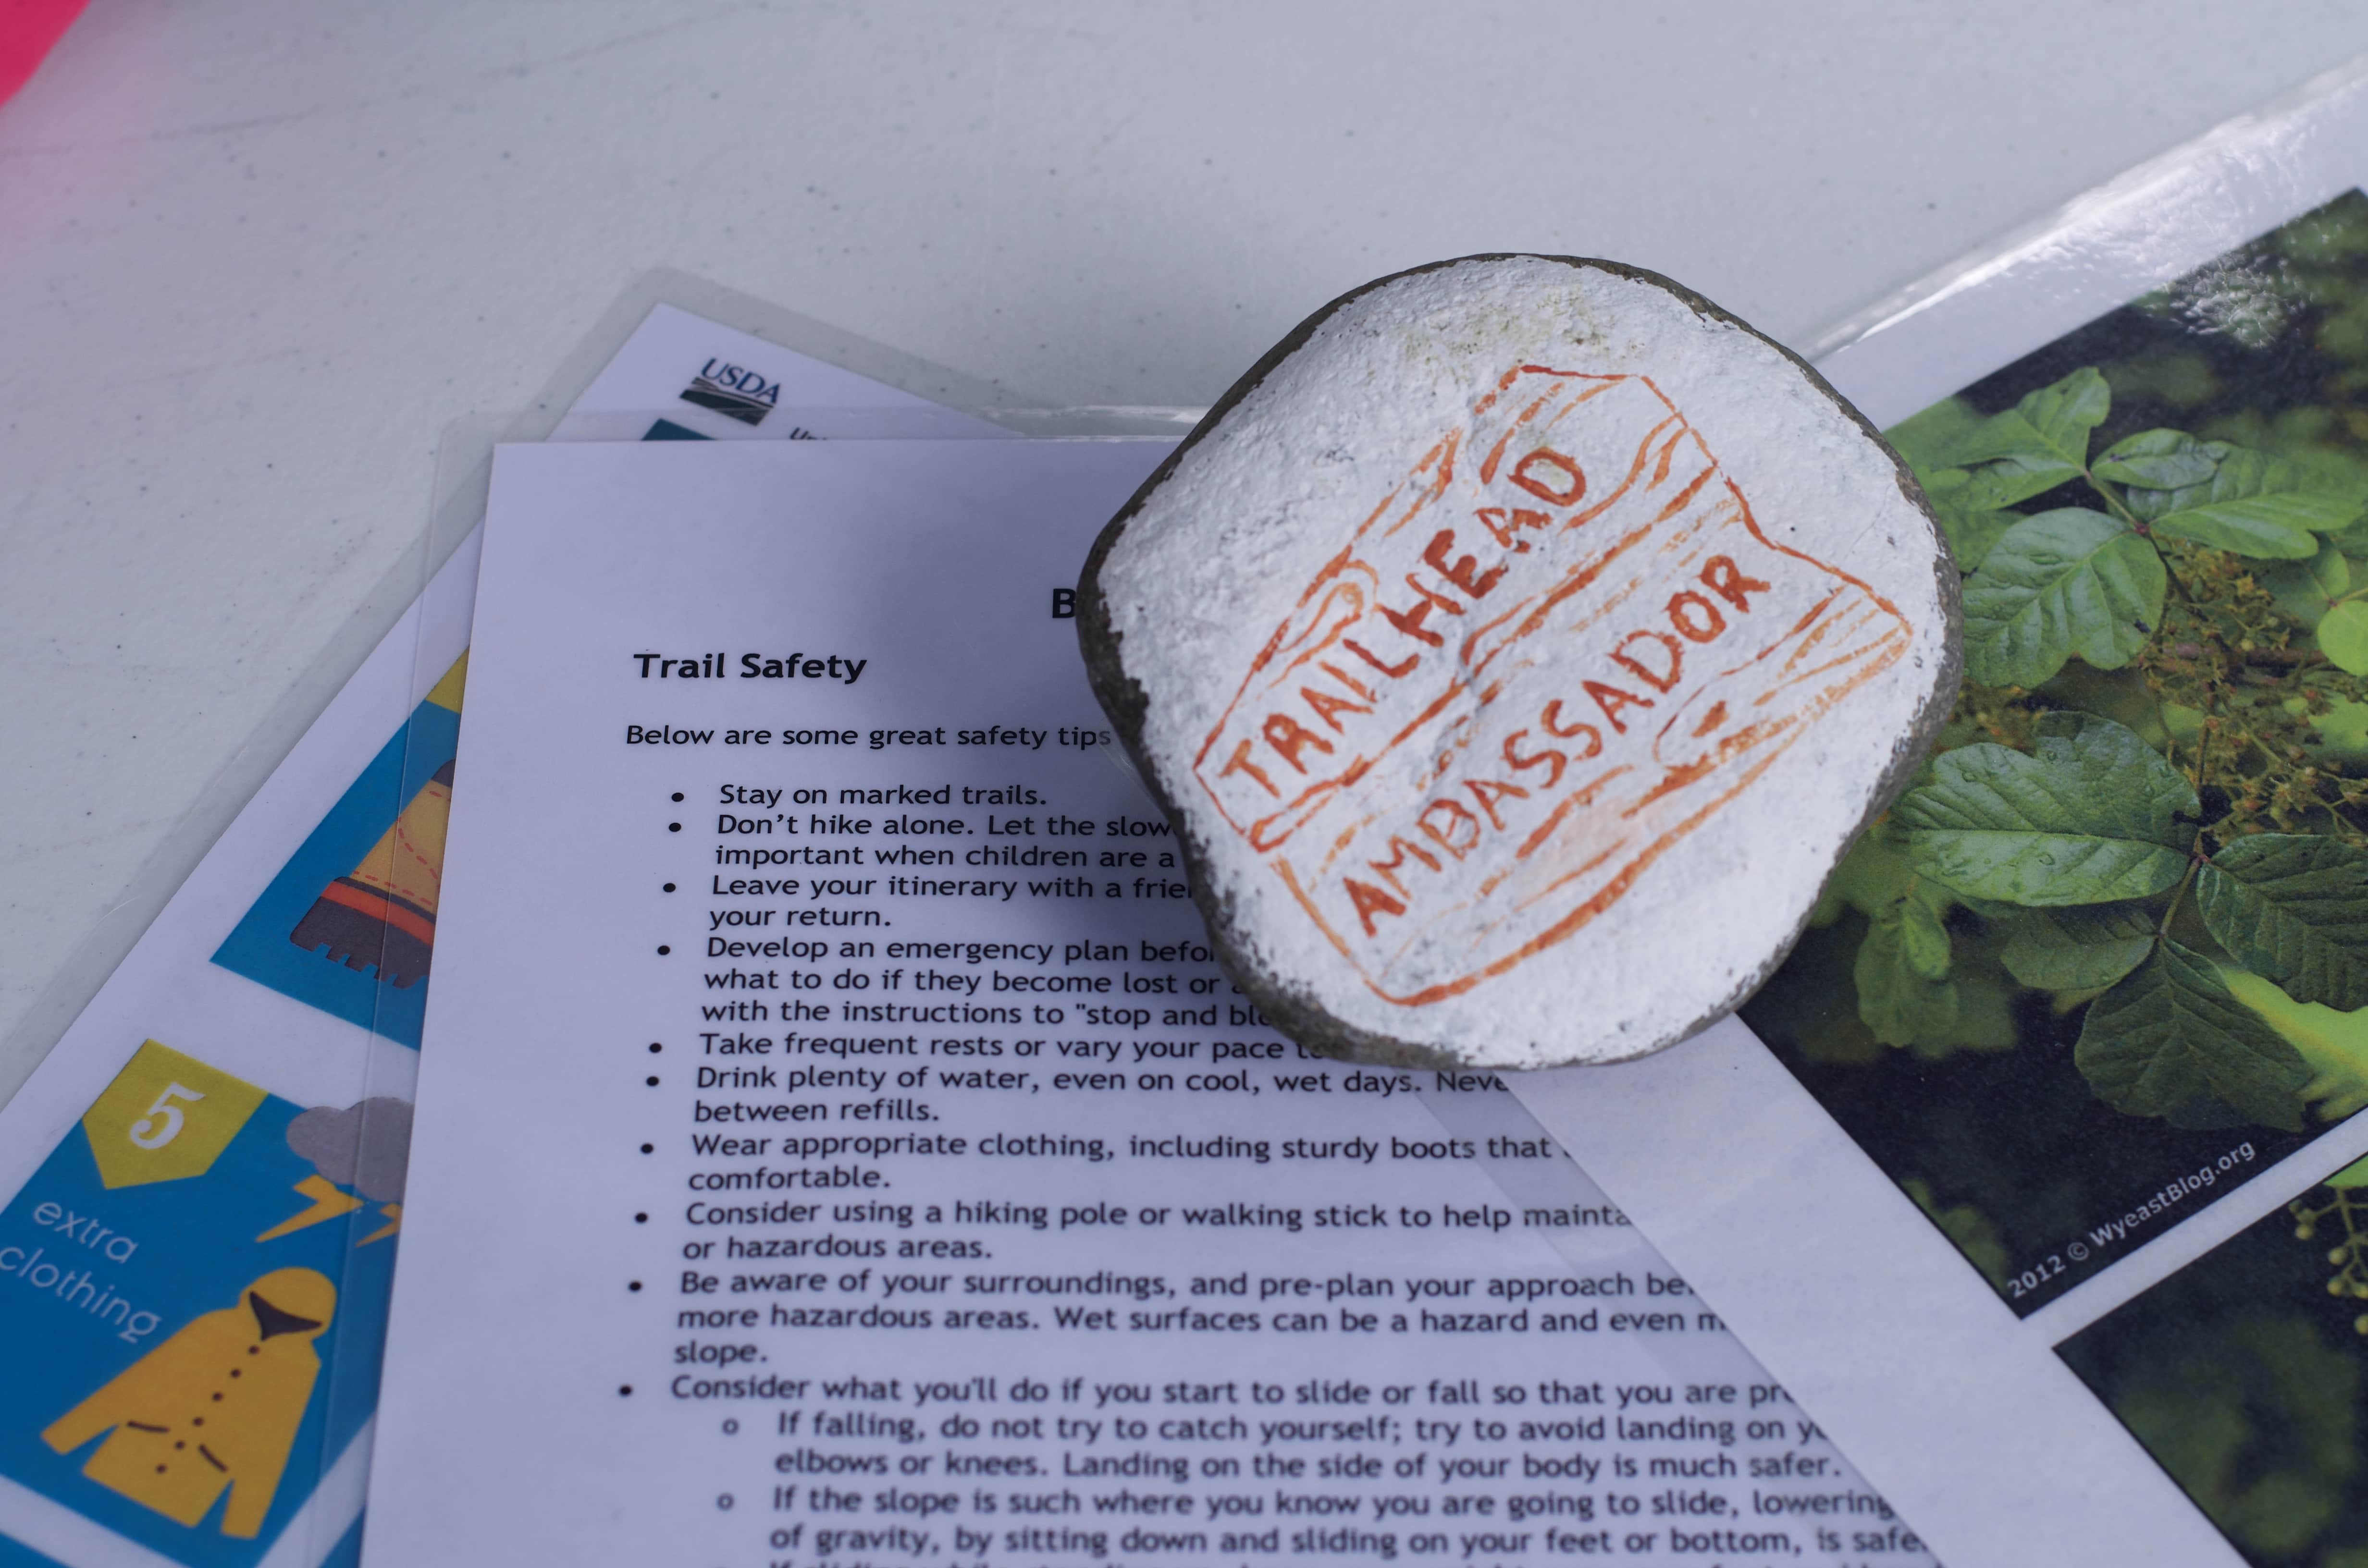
[(216, 1405)]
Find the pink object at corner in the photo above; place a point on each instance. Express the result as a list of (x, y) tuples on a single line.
[(27, 29)]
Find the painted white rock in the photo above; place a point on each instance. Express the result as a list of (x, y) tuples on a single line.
[(1514, 651)]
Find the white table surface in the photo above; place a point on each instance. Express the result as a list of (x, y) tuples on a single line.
[(256, 256)]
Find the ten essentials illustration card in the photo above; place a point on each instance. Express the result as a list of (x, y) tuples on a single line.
[(183, 1186), (211, 1158), (216, 1147), (2036, 1157)]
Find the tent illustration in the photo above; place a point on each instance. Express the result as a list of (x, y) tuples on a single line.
[(384, 911)]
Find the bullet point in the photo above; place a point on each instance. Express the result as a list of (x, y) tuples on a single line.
[(677, 794), (635, 1284), (674, 827), (655, 1048), (669, 887), (625, 1389), (641, 1218), (654, 1079), (649, 1148), (663, 949)]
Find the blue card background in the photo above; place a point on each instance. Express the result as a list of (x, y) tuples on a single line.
[(196, 1252)]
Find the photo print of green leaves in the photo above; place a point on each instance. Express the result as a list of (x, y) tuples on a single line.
[(2118, 926)]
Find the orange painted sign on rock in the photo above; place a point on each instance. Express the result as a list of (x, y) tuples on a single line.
[(1560, 645)]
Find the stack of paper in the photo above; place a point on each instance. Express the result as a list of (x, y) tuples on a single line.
[(775, 1037)]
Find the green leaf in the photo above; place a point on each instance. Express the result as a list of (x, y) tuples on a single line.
[(1923, 938), (1895, 998), (2343, 637), (2066, 582), (2332, 570), (2293, 907), (2003, 482), (2253, 505), (2085, 948), (2171, 1040), (2120, 695), (2061, 415), (2258, 538), (1873, 876), (2096, 816), (1934, 437), (2335, 1044), (2352, 538), (2342, 731), (2162, 459), (2307, 589), (1972, 533), (1902, 970), (2033, 446)]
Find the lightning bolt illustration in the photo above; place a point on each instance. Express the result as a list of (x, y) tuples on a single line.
[(328, 1203), (394, 1212)]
